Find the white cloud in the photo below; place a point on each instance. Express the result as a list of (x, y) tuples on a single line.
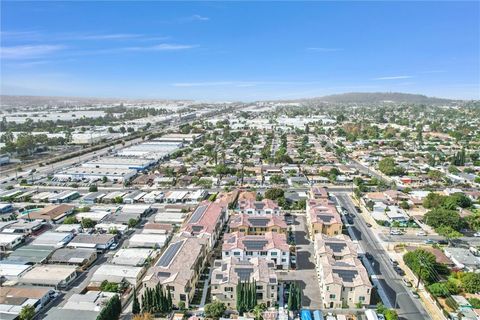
[(200, 18), (161, 47), (393, 78), (28, 51)]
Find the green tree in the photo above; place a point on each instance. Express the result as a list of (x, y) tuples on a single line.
[(388, 167), (470, 282), (274, 193), (70, 220), (442, 217), (87, 223), (215, 309), (27, 312), (132, 222), (422, 263), (93, 188), (135, 304)]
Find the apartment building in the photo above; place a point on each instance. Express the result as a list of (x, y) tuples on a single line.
[(323, 217), (227, 273), (208, 219), (344, 281), (257, 225), (271, 245), (264, 207), (179, 268)]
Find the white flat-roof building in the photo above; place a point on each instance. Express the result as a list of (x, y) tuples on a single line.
[(94, 174), (118, 273), (132, 257), (145, 240), (94, 215), (134, 163), (50, 275), (9, 241), (53, 239)]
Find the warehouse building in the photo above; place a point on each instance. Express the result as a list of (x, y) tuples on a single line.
[(94, 174)]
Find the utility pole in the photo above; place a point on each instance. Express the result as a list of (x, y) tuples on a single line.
[(419, 275)]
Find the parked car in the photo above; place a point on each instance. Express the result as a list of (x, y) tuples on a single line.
[(369, 256), (415, 294), (369, 225), (399, 271), (476, 234), (393, 262), (406, 282), (113, 246)]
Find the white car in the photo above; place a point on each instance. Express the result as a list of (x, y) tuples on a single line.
[(476, 234), (421, 233)]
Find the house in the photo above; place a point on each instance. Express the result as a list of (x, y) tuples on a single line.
[(50, 275), (52, 213), (53, 239), (257, 225), (146, 240), (13, 299), (133, 257), (463, 259), (271, 245), (76, 257), (229, 272), (22, 226), (117, 274), (81, 306), (339, 247), (97, 241), (9, 241), (6, 208), (63, 197), (179, 268)]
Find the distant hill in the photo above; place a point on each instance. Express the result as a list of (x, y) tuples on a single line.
[(378, 97)]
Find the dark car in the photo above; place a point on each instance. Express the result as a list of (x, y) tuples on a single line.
[(369, 256), (369, 225), (399, 271)]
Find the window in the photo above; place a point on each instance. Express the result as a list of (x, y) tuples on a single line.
[(273, 253), (183, 297), (332, 296), (236, 253), (249, 253), (227, 253), (361, 298), (172, 289)]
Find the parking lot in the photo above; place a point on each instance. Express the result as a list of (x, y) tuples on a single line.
[(305, 273)]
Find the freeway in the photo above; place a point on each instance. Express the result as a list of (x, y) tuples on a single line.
[(396, 293)]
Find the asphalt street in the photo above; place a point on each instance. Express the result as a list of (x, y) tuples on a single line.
[(410, 308)]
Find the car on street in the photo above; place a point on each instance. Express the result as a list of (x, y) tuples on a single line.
[(476, 234), (113, 246), (415, 294), (399, 271), (406, 282), (369, 256), (421, 233), (429, 241), (368, 225), (395, 232)]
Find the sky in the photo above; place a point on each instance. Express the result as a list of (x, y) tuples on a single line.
[(229, 50)]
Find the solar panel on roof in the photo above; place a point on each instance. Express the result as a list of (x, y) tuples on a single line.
[(255, 244), (197, 214), (346, 275), (325, 218), (336, 247), (169, 254), (244, 273), (259, 222)]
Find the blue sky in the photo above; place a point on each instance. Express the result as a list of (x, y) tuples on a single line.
[(239, 50)]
